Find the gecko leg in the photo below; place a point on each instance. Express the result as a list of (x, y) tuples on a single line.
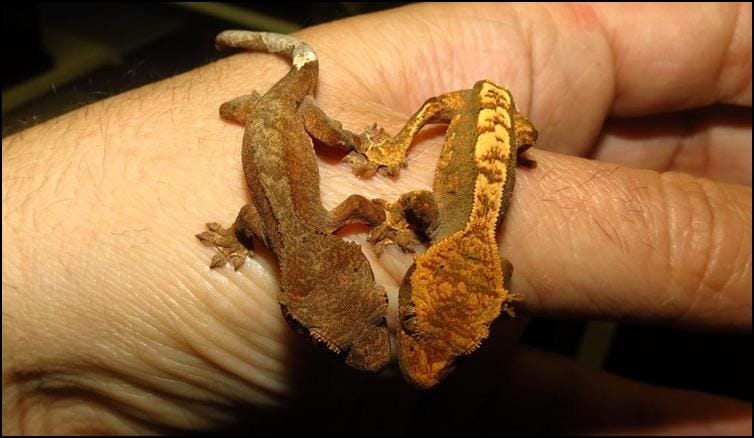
[(325, 129), (357, 209), (412, 216), (235, 110), (388, 154), (234, 244), (330, 132)]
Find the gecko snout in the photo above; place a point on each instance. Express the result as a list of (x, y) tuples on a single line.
[(422, 365)]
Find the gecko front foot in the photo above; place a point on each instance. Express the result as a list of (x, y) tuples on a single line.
[(372, 134), (395, 230), (376, 153), (229, 248)]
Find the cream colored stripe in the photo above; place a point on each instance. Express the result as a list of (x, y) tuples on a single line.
[(491, 154)]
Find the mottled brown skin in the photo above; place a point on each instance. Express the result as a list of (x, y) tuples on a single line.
[(456, 289), (328, 291)]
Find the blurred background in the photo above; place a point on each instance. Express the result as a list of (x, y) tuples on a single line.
[(61, 56)]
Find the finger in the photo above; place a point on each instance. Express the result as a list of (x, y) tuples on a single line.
[(597, 240), (713, 143), (668, 57)]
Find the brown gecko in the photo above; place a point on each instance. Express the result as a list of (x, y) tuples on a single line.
[(453, 291), (328, 291)]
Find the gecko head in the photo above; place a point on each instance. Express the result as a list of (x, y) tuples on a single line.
[(330, 295), (424, 359), (422, 363), (361, 310), (361, 344)]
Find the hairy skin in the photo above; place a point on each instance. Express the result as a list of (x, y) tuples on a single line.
[(113, 323)]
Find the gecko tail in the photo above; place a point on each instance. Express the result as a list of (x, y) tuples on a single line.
[(299, 52)]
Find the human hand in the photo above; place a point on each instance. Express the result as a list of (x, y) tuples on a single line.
[(112, 321)]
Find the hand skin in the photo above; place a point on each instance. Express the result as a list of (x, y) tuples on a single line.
[(113, 322)]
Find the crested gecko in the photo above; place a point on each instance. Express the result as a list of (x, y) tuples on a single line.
[(453, 291), (328, 291)]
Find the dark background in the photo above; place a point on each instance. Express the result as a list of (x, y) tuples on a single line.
[(60, 56)]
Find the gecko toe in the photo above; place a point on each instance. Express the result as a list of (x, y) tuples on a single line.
[(375, 134), (226, 244)]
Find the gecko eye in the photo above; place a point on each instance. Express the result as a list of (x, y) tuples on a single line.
[(355, 269)]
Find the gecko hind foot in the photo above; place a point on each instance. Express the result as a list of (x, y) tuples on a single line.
[(369, 156), (363, 165), (395, 230), (225, 242), (383, 236)]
